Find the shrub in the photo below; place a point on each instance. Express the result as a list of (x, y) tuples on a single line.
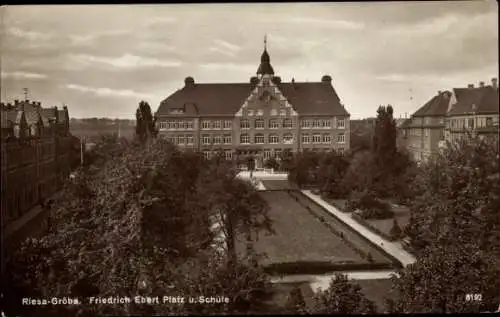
[(272, 163), (373, 208), (396, 231), (295, 303), (380, 211)]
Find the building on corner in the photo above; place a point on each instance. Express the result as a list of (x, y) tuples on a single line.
[(36, 159), (264, 117), (450, 116)]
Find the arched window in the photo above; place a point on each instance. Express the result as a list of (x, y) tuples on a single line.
[(274, 139), (273, 124), (244, 124), (244, 138), (327, 139), (259, 138), (287, 138), (259, 123)]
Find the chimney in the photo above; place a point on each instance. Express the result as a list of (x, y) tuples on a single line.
[(439, 92), (254, 81), (189, 82), (326, 79), (470, 86), (494, 82), (16, 102), (481, 84)]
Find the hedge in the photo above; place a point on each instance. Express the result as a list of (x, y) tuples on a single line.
[(317, 267)]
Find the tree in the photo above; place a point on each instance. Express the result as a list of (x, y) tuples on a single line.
[(119, 231), (271, 163), (145, 122), (237, 204), (361, 141), (395, 232), (342, 297), (302, 168), (358, 174), (295, 302), (251, 164), (454, 229), (331, 169)]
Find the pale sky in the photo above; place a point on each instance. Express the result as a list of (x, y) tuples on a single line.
[(101, 60)]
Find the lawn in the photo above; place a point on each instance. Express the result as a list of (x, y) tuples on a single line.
[(299, 237), (277, 184), (352, 237)]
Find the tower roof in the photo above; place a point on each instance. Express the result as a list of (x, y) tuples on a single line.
[(265, 67)]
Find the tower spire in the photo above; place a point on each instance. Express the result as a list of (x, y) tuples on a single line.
[(265, 67)]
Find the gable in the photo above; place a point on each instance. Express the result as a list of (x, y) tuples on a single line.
[(266, 94)]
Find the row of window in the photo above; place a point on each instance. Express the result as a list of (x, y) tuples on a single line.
[(257, 139), (272, 112), (177, 124), (266, 153), (470, 123), (324, 138), (247, 124), (260, 124), (321, 123), (181, 139)]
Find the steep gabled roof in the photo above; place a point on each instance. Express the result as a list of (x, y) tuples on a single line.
[(313, 98), (225, 99), (485, 100), (437, 106)]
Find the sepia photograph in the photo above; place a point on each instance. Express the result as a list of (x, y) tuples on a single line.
[(254, 158)]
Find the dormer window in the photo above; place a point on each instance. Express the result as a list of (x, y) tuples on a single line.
[(265, 82), (176, 111), (250, 112), (283, 112)]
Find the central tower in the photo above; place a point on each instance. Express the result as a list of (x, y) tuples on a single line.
[(265, 67)]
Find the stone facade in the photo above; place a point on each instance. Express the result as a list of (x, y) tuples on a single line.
[(36, 156), (451, 116), (265, 117)]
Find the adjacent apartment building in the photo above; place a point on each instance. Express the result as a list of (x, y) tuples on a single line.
[(450, 116), (264, 117), (36, 156)]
